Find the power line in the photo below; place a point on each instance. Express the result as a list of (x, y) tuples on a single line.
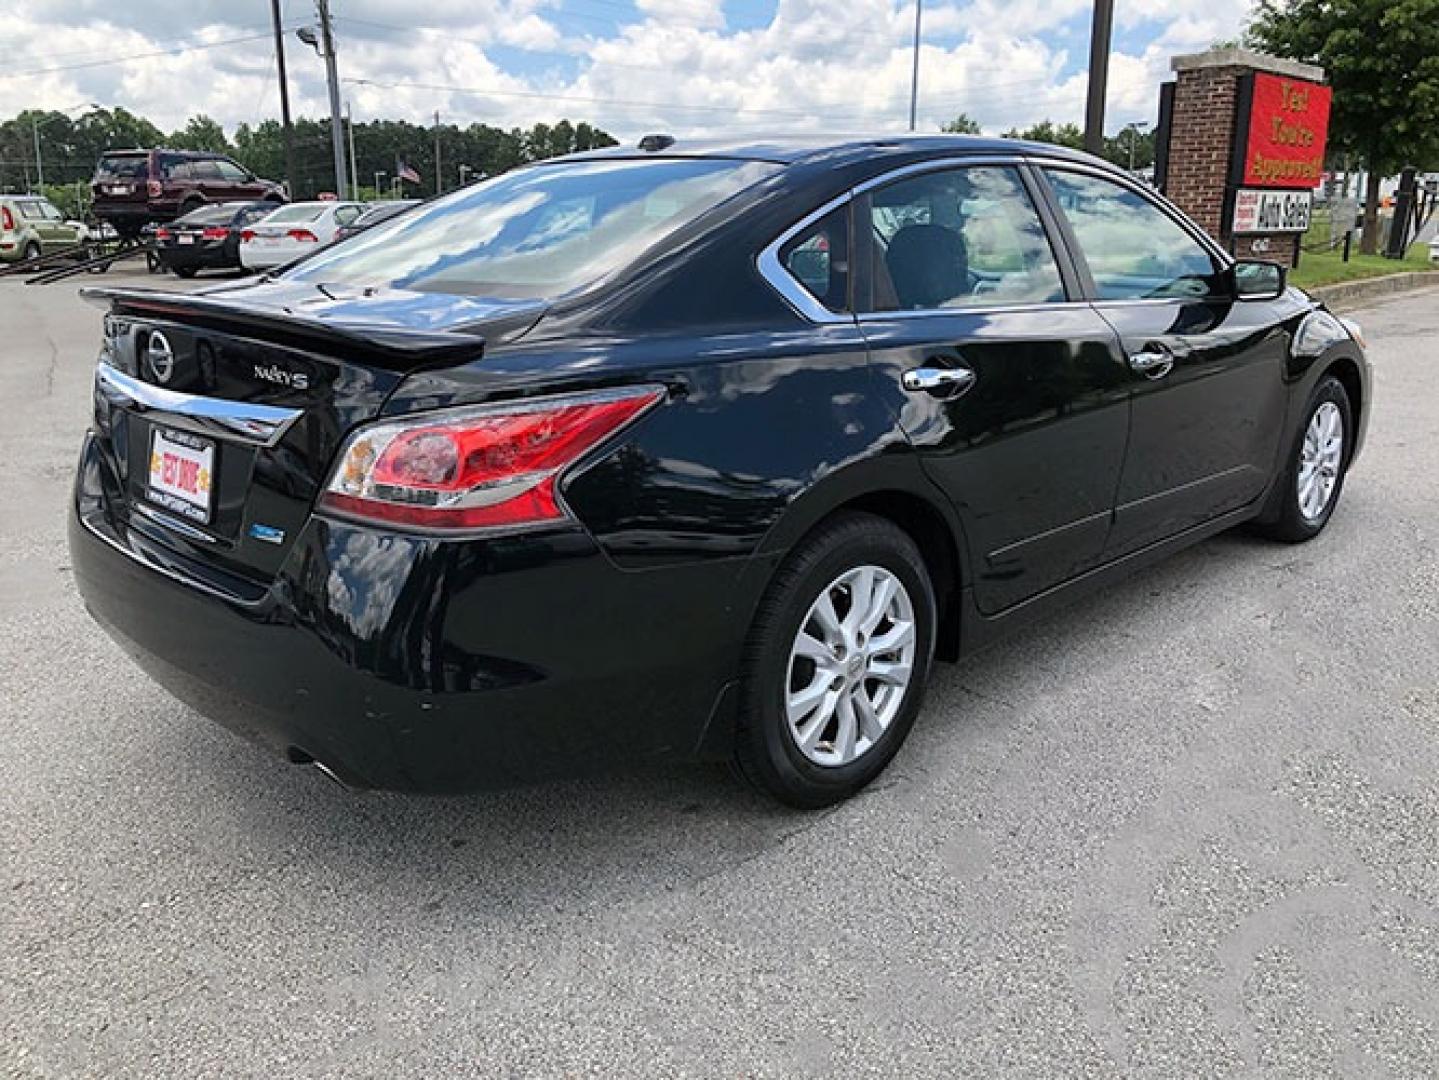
[(171, 51)]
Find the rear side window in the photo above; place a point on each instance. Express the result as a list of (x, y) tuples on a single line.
[(31, 210), (959, 238), (123, 167), (1134, 249), (230, 171), (818, 258), (204, 170)]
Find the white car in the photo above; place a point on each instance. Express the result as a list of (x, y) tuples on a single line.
[(294, 230)]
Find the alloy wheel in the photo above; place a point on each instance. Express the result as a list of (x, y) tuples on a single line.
[(1320, 458), (850, 665)]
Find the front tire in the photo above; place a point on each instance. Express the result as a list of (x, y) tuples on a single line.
[(1313, 479), (185, 271), (835, 667)]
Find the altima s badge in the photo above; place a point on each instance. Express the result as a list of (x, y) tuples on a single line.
[(272, 373), (267, 533)]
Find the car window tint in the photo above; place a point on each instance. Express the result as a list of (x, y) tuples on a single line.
[(1133, 248), (818, 258), (346, 215), (540, 231), (123, 167), (49, 211), (960, 238), (297, 212), (209, 215), (30, 210), (204, 170), (230, 171)]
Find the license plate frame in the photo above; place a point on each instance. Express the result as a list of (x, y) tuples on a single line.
[(181, 474), (185, 238)]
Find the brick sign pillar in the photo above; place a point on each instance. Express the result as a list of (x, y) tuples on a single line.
[(1241, 142)]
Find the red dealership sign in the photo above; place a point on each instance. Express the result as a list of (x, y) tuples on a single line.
[(1288, 125)]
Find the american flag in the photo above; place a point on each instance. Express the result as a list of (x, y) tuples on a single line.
[(404, 172)]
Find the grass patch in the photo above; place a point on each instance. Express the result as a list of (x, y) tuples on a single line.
[(1328, 267)]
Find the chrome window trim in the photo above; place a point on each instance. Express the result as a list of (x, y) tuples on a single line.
[(786, 284), (238, 421), (773, 271)]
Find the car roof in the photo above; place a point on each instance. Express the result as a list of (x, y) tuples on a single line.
[(798, 149)]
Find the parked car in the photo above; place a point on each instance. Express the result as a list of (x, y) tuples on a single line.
[(31, 226), (207, 238), (294, 231), (373, 214), (705, 452), (133, 188)]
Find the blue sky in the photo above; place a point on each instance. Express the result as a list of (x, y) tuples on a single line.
[(689, 66)]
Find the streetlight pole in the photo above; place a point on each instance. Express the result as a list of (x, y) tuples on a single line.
[(337, 131), (379, 193), (914, 74), (1134, 130), (354, 165)]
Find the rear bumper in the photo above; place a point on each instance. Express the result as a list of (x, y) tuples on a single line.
[(425, 665)]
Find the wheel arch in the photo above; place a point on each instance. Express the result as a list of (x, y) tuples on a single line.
[(1346, 370), (908, 499)]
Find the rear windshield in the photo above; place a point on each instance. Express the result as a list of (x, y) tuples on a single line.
[(296, 213), (213, 214), (541, 231), (123, 166)]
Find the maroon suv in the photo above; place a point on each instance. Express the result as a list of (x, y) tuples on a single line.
[(133, 188)]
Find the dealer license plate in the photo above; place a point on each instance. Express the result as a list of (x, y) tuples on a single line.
[(186, 238), (182, 474)]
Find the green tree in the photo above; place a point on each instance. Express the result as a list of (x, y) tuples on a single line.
[(1047, 131), (963, 124), (1131, 145), (1382, 59), (201, 133)]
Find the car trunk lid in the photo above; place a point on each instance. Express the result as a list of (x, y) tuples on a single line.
[(221, 412)]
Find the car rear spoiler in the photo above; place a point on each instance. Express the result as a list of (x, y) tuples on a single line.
[(381, 344)]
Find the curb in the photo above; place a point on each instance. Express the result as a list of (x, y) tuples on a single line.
[(1348, 294)]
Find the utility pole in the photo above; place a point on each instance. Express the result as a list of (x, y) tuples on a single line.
[(914, 76), (39, 164), (284, 98), (1099, 36), (337, 132), (439, 179), (354, 175)]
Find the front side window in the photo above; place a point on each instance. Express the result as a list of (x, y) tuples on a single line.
[(541, 231), (960, 238), (818, 258), (1134, 249)]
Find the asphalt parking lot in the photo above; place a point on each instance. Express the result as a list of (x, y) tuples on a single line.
[(1190, 829)]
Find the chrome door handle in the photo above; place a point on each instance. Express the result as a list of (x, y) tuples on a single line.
[(1152, 363), (945, 382)]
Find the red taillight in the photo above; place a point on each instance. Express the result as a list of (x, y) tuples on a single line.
[(154, 188), (303, 234), (246, 235), (214, 232), (7, 220), (163, 234), (487, 467)]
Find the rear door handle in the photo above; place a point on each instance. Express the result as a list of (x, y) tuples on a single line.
[(1153, 363), (942, 382)]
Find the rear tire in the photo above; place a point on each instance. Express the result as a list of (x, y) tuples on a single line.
[(1313, 477), (834, 670)]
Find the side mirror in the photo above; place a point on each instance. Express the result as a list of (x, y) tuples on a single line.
[(1255, 280)]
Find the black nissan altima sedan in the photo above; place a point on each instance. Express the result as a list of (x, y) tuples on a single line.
[(699, 451)]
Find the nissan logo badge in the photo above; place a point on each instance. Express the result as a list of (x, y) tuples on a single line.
[(160, 357)]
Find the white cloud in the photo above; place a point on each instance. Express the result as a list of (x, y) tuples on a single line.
[(815, 65)]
